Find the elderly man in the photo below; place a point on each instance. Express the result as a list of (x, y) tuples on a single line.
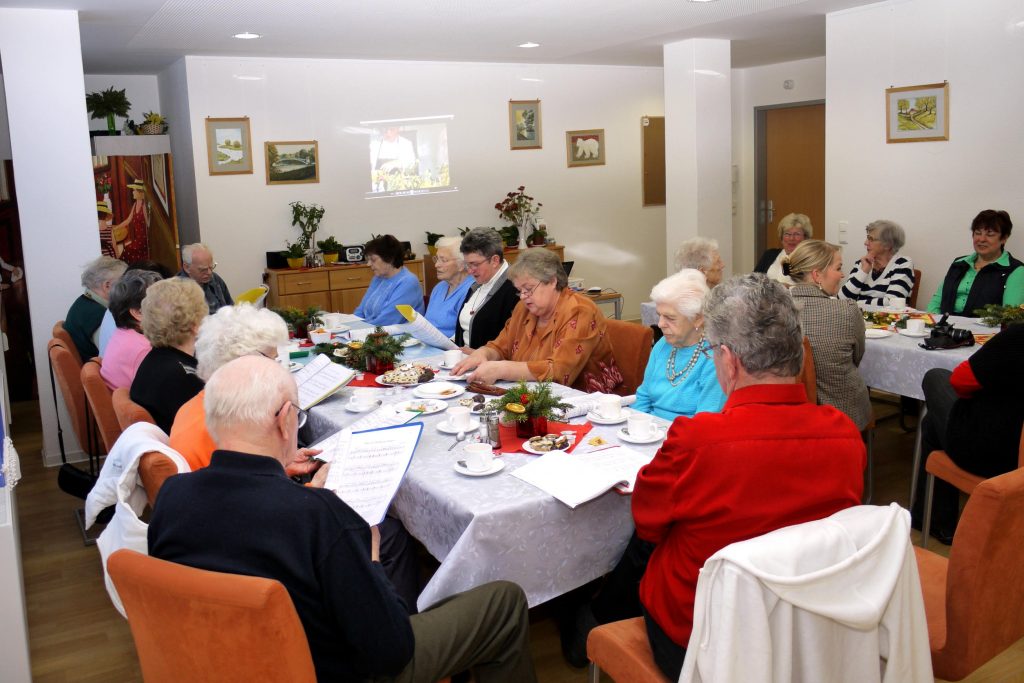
[(770, 459), (197, 263), (243, 515), (86, 313)]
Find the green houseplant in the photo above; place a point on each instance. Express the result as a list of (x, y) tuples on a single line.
[(377, 354), (295, 252), (107, 104), (307, 218), (152, 124), (529, 408), (432, 238), (330, 249)]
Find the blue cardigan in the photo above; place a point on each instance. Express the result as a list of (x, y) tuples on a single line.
[(698, 393), (443, 311), (378, 304)]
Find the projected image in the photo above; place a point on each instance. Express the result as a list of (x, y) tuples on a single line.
[(409, 157)]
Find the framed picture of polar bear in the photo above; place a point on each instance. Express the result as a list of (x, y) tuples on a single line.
[(584, 147)]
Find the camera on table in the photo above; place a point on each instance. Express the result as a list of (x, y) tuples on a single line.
[(945, 336)]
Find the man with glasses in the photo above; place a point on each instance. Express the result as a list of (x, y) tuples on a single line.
[(197, 263), (242, 515), (491, 297)]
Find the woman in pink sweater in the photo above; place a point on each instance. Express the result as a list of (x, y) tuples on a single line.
[(127, 347)]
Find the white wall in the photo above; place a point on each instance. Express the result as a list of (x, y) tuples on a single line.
[(5, 133), (595, 211), (141, 91), (761, 86), (933, 189)]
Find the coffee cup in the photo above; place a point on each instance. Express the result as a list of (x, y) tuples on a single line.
[(361, 399), (640, 425), (915, 326), (609, 407), (479, 457), (452, 358), (895, 302), (332, 320), (459, 418)]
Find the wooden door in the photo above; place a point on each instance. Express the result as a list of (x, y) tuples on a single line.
[(792, 141)]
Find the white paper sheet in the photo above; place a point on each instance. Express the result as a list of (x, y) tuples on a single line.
[(574, 479), (422, 329), (319, 379)]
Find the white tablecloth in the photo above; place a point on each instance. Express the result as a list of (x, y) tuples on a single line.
[(498, 527)]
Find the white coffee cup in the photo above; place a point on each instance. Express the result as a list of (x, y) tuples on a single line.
[(331, 319), (895, 302), (915, 326), (361, 399), (458, 417), (479, 457), (452, 358), (640, 425), (609, 406)]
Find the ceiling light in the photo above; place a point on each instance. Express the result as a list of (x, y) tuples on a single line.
[(247, 35), (529, 45), (702, 0)]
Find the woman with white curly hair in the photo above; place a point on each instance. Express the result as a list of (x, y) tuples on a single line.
[(701, 253), (680, 375)]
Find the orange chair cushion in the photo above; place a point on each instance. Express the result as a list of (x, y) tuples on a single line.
[(942, 466), (622, 651), (154, 468), (933, 569)]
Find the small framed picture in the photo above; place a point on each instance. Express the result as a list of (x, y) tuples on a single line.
[(584, 147), (917, 113), (228, 146), (292, 162), (524, 124)]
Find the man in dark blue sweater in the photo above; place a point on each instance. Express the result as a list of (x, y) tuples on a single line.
[(243, 515)]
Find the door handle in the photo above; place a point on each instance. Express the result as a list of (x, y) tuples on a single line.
[(770, 212)]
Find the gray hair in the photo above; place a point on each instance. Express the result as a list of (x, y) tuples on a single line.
[(246, 392), (796, 220), (189, 249), (685, 290), (127, 294), (889, 234), (542, 264), (757, 319), (484, 241), (102, 269), (452, 245), (697, 253), (236, 331)]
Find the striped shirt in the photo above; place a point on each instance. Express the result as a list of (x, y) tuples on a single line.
[(896, 280)]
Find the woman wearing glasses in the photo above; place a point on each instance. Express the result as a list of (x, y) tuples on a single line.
[(554, 333), (491, 298), (988, 276), (450, 292), (880, 273), (794, 228)]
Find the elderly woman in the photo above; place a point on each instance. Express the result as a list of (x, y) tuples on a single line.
[(793, 229), (128, 346), (553, 334), (450, 292), (86, 313), (834, 327), (392, 284), (489, 305), (988, 276), (701, 253), (680, 375), (880, 273), (171, 314)]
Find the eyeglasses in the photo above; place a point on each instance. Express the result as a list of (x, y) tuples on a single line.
[(527, 293), (473, 265), (987, 232), (442, 259), (203, 270), (793, 235), (300, 414), (872, 238)]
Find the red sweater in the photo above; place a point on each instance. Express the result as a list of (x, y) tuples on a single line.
[(768, 460)]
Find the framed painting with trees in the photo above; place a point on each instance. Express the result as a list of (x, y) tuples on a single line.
[(292, 162), (228, 146), (917, 113)]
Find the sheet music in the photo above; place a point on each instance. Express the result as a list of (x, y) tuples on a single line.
[(422, 329), (338, 442), (368, 474), (319, 379), (575, 479)]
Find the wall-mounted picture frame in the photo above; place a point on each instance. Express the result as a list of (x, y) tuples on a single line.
[(158, 167), (917, 113), (524, 129), (228, 145), (291, 162), (584, 147)]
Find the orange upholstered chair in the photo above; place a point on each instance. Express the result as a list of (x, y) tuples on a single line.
[(67, 372), (154, 468), (631, 347), (974, 601), (100, 403), (60, 333), (194, 625), (128, 412), (807, 375), (622, 651)]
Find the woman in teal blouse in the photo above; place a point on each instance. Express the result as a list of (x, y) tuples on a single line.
[(680, 376)]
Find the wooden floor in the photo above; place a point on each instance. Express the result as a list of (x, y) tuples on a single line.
[(77, 636)]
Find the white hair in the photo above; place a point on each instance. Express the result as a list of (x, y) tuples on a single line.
[(189, 249), (697, 253), (452, 246), (246, 392), (101, 269), (684, 290), (236, 331)]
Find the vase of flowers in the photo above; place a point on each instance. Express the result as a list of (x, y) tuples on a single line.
[(529, 408), (519, 210)]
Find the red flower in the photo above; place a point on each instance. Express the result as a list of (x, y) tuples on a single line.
[(521, 188)]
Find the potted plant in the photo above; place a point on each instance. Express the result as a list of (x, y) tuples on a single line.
[(995, 315), (432, 238), (295, 253), (299, 320), (106, 105), (539, 236), (307, 217), (509, 235), (152, 124), (330, 249), (529, 408), (377, 354), (518, 209)]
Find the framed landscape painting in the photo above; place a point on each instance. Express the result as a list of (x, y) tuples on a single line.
[(292, 162), (917, 113), (228, 146), (524, 124), (584, 147)]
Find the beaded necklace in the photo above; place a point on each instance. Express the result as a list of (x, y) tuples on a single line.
[(675, 378)]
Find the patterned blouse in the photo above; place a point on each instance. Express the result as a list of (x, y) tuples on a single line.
[(573, 349)]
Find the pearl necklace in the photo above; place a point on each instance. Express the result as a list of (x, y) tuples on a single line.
[(675, 378)]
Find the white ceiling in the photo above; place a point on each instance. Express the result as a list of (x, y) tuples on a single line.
[(145, 36)]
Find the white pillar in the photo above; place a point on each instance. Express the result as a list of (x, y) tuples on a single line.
[(698, 144), (42, 61)]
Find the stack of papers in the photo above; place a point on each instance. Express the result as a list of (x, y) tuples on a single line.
[(576, 478)]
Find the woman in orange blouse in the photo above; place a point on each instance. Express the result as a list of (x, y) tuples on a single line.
[(554, 333)]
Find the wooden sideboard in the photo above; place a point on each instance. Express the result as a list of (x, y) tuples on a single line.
[(331, 288), (511, 255)]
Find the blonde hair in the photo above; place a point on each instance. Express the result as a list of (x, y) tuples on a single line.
[(172, 311), (796, 220), (809, 255)]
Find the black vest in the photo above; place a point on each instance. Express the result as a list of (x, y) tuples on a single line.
[(988, 286)]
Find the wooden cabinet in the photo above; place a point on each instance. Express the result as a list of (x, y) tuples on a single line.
[(511, 255), (331, 288)]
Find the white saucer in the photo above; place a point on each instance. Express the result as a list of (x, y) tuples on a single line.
[(875, 333), (435, 389), (372, 406), (448, 377), (496, 466), (659, 434), (412, 341), (445, 427), (916, 335), (432, 404), (598, 420), (530, 449)]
